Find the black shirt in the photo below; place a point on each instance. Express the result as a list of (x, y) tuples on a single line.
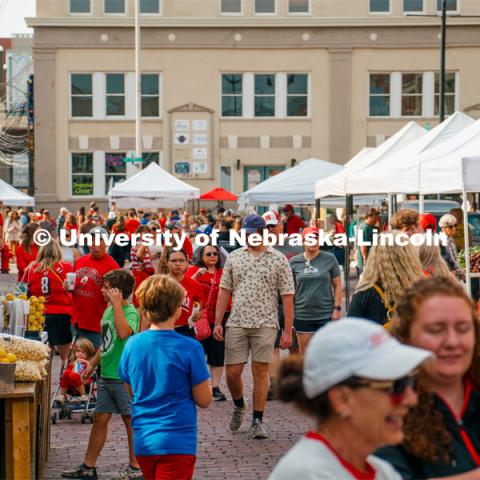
[(368, 304)]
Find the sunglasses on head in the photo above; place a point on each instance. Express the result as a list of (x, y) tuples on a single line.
[(211, 254)]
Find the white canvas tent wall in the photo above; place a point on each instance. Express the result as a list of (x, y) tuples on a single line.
[(15, 198), (337, 186), (295, 185), (153, 187), (394, 173)]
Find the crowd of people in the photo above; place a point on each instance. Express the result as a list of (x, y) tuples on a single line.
[(392, 390)]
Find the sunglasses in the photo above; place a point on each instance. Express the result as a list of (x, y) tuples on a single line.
[(395, 388), (211, 254)]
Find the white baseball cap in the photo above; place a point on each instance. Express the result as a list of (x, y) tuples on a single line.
[(354, 347), (271, 217)]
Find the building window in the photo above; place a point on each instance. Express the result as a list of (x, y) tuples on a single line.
[(82, 96), (264, 6), (413, 5), (82, 174), (114, 6), (379, 6), (115, 94), (451, 5), (150, 157), (115, 170), (265, 95), (412, 89), (150, 95), (226, 177), (297, 95), (232, 87), (150, 6), (298, 6), (379, 94), (449, 93), (79, 6), (231, 6)]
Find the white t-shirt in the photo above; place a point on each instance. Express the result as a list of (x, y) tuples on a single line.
[(312, 459)]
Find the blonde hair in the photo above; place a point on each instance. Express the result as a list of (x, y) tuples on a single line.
[(392, 267), (48, 255), (85, 345), (432, 261)]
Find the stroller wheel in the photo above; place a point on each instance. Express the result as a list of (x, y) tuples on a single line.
[(54, 418), (83, 418), (68, 412)]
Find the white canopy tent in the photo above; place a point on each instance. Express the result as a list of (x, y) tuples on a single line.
[(393, 173), (153, 187), (337, 186), (295, 185), (15, 198)]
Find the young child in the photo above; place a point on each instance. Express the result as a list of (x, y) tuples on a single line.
[(120, 320), (71, 380), (167, 373)]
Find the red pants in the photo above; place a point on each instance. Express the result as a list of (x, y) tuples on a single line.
[(167, 467), (70, 380)]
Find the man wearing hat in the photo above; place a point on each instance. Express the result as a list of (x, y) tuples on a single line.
[(293, 223), (256, 277)]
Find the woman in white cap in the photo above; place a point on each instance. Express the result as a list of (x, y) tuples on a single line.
[(356, 382)]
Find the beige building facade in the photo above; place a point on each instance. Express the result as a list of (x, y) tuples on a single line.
[(234, 91)]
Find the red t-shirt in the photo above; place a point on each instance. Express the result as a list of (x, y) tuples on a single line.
[(48, 284), (24, 258), (70, 226), (188, 248), (193, 293), (294, 224), (131, 225), (88, 301)]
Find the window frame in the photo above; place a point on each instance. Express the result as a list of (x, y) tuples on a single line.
[(80, 95), (123, 175), (389, 12), (402, 95), (308, 12), (157, 152), (159, 77), (81, 14), (230, 13), (390, 95), (307, 115), (414, 12), (255, 95), (124, 95), (454, 94), (151, 14), (242, 94), (265, 14), (72, 153), (123, 14)]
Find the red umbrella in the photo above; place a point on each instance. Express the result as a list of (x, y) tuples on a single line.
[(218, 194)]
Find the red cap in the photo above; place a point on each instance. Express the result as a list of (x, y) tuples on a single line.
[(288, 208), (428, 221), (311, 230)]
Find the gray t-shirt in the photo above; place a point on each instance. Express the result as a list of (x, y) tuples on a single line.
[(314, 299)]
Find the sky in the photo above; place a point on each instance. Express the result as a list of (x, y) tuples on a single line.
[(12, 16)]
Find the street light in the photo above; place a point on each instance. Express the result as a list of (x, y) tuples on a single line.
[(443, 35)]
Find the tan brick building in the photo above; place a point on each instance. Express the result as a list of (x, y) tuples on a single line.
[(235, 90)]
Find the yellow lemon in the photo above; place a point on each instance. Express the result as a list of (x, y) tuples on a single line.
[(4, 360), (12, 358), (41, 299), (9, 296), (3, 352), (23, 296)]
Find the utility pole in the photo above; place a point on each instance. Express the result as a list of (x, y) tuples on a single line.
[(31, 137), (138, 83), (443, 35)]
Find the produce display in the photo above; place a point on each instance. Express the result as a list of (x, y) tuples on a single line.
[(19, 313), (474, 259)]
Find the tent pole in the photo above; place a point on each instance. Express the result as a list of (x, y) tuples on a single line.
[(346, 263), (317, 211), (467, 245), (421, 204), (390, 209)]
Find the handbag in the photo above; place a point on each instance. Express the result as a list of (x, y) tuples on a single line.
[(202, 327)]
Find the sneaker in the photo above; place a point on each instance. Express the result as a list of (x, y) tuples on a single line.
[(130, 473), (257, 430), (81, 472), (218, 395), (237, 417)]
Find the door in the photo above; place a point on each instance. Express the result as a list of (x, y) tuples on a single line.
[(255, 174)]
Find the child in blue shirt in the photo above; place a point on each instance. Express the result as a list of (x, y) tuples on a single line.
[(167, 376)]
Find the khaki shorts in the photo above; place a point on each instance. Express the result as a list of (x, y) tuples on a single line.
[(240, 341)]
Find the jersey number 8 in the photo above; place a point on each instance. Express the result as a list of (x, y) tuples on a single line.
[(45, 285)]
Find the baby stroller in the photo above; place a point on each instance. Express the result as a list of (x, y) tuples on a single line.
[(74, 403)]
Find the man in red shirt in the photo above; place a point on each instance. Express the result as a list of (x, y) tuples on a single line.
[(88, 301), (293, 223)]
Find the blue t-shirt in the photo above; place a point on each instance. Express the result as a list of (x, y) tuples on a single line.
[(162, 367)]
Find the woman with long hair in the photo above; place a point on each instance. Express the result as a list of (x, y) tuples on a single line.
[(174, 263), (27, 250), (390, 268), (432, 262), (442, 433), (81, 217), (141, 262), (71, 222), (12, 230), (356, 382), (207, 271), (45, 278)]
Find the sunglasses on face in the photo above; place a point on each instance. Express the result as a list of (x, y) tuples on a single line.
[(211, 254)]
